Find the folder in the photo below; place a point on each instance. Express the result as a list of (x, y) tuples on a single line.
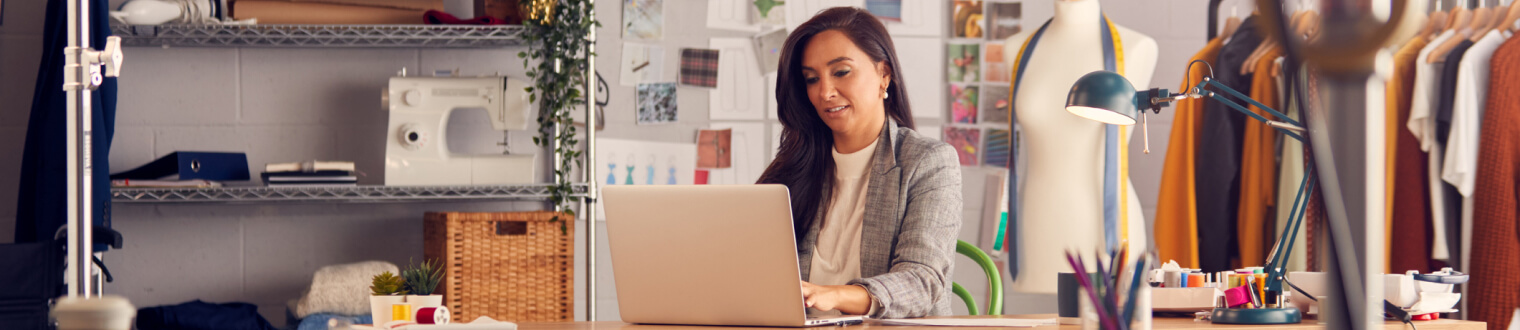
[(189, 165)]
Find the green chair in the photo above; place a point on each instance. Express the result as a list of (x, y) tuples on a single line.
[(994, 279)]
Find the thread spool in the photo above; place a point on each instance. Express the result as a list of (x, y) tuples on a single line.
[(1173, 279), (432, 315), (1196, 280), (401, 312)]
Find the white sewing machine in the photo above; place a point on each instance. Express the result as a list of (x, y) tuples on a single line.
[(416, 148)]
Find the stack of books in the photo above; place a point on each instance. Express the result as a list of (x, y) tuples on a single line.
[(311, 173)]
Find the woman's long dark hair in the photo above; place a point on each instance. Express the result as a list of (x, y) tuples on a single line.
[(804, 162)]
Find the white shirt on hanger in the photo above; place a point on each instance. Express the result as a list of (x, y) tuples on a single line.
[(1461, 158), (1423, 125)]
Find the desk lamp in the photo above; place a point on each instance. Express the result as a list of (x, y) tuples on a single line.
[(1108, 97)]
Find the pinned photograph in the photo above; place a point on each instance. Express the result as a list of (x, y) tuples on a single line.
[(768, 49), (996, 150), (657, 103), (715, 148), (643, 19), (997, 70), (699, 67), (963, 62), (963, 101), (966, 19), (995, 104), (966, 141), (1004, 19), (886, 10)]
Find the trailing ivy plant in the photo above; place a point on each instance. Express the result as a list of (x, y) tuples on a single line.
[(556, 59)]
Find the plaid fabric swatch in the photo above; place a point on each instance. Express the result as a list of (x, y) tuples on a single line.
[(699, 67)]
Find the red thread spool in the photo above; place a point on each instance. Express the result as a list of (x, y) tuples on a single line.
[(432, 315)]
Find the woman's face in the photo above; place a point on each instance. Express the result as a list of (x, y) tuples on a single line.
[(844, 85)]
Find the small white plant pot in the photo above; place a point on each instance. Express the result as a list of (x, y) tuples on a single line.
[(418, 302), (382, 307)]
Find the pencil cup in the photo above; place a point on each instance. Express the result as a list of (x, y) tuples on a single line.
[(1088, 316)]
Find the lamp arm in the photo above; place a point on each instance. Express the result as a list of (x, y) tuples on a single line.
[(1216, 85), (1284, 248)]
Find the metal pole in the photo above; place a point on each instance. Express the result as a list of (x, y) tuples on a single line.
[(77, 73), (1213, 19), (590, 200)]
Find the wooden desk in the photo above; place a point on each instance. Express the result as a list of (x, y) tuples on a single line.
[(1159, 323)]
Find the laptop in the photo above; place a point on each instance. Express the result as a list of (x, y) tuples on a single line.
[(706, 255)]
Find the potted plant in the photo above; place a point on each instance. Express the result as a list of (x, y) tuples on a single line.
[(387, 290), (421, 280)]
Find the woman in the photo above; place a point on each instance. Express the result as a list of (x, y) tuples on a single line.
[(877, 206)]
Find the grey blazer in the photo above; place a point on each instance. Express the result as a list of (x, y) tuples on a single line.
[(911, 221)]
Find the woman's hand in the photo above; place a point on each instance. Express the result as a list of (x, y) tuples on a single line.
[(847, 299)]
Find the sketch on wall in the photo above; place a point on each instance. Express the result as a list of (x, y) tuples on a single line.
[(739, 94), (641, 64), (630, 162)]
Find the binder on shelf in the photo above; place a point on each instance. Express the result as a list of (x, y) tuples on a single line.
[(189, 165)]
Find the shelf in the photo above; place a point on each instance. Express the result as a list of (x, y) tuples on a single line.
[(335, 194), (437, 36)]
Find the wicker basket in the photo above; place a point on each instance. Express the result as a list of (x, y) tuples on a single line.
[(510, 266)]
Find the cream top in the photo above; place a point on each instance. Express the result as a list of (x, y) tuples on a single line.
[(836, 256)]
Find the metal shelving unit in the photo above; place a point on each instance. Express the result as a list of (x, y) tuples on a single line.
[(362, 36), (355, 194), (445, 36)]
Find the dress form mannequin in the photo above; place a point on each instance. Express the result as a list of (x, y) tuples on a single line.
[(1061, 203)]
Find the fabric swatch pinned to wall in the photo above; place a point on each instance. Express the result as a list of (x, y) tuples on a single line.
[(1004, 19), (644, 19), (996, 149), (963, 103), (966, 20), (699, 67), (886, 10), (967, 141), (657, 103), (995, 104), (997, 70), (715, 148), (964, 63)]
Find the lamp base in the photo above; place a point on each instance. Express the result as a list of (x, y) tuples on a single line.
[(1256, 316)]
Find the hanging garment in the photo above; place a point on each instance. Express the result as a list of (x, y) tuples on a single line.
[(1176, 227), (1409, 241), (1462, 144), (1258, 168), (1422, 126), (42, 206), (1450, 198), (1290, 176), (1314, 213), (1495, 290), (1395, 99), (1218, 166), (1116, 159)]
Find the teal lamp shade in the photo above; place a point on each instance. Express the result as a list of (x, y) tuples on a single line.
[(1103, 96)]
